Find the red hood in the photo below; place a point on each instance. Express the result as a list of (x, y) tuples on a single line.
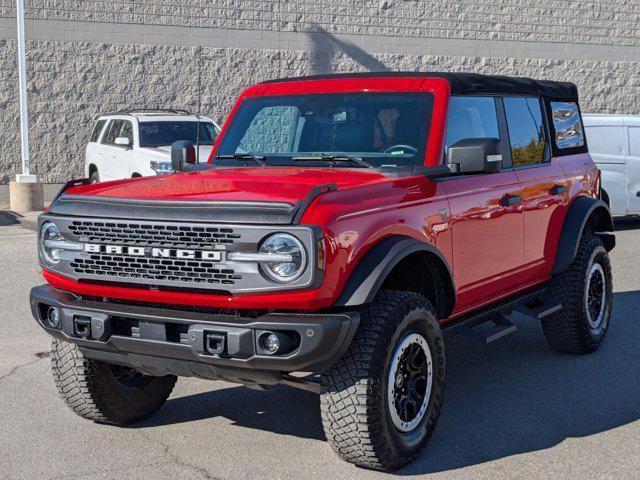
[(270, 184)]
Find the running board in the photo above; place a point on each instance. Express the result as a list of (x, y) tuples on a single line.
[(491, 323), (489, 331)]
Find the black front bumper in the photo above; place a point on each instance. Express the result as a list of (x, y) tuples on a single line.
[(158, 341)]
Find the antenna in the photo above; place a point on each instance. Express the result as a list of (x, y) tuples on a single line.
[(199, 66)]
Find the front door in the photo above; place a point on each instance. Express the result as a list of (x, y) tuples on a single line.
[(485, 209)]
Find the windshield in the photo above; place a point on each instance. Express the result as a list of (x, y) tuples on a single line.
[(384, 129), (157, 134)]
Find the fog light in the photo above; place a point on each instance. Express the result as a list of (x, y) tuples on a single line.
[(269, 342), (53, 317)]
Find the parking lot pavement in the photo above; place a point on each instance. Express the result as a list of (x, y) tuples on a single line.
[(514, 409)]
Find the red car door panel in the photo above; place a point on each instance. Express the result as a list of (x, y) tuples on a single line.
[(487, 236)]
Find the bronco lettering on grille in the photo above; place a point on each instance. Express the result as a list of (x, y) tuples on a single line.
[(215, 256)]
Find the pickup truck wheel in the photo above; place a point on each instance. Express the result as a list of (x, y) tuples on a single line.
[(95, 177), (103, 392), (585, 291), (381, 401)]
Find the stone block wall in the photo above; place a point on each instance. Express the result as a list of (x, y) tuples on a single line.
[(89, 57)]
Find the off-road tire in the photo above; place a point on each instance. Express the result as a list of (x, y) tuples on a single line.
[(95, 177), (568, 330), (91, 390), (354, 407)]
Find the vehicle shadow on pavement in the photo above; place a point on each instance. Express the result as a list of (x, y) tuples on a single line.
[(627, 223), (280, 409), (511, 397), (518, 395)]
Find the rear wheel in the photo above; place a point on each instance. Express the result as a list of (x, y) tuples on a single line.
[(381, 401), (95, 178), (103, 392), (585, 291)]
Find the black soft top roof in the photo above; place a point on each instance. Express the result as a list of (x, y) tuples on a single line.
[(470, 83)]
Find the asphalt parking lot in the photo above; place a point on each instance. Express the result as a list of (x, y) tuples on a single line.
[(514, 409)]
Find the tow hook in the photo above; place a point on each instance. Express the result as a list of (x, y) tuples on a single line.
[(81, 326), (215, 343)]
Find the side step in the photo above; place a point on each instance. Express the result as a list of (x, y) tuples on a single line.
[(491, 330), (492, 323)]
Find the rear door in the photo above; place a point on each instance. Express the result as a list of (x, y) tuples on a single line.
[(544, 187), (485, 209), (633, 165)]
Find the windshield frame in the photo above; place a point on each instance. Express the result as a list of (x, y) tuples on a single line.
[(439, 87)]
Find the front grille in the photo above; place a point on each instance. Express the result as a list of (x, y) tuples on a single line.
[(152, 235), (163, 270), (171, 255)]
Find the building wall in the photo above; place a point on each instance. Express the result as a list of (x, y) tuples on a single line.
[(86, 57)]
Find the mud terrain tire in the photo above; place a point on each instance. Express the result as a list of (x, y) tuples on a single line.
[(98, 391), (357, 413)]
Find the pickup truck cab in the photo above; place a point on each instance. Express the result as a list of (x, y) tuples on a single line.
[(614, 144), (138, 143), (347, 225)]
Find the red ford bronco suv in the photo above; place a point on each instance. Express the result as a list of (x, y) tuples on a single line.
[(342, 228)]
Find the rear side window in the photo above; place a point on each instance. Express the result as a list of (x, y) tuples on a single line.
[(114, 131), (526, 130), (567, 125), (606, 140), (471, 117), (95, 135)]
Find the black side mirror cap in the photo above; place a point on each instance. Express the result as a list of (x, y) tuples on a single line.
[(182, 153), (475, 155)]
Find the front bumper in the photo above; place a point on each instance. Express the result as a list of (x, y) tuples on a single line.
[(158, 341)]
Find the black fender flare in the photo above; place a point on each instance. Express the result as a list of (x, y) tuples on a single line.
[(374, 267), (579, 213)]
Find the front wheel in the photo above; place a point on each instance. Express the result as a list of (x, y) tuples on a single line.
[(585, 291), (381, 401), (103, 392)]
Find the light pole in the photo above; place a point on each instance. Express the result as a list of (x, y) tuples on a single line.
[(25, 193)]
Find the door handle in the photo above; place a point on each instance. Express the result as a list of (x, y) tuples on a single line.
[(558, 189), (510, 200)]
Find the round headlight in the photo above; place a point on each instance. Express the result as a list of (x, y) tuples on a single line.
[(283, 271), (50, 232)]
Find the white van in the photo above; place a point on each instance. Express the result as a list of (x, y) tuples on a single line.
[(614, 145)]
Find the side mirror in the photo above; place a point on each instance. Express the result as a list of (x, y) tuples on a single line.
[(475, 155), (182, 153), (123, 141)]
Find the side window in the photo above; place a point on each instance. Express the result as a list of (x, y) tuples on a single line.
[(471, 117), (567, 124), (634, 141), (95, 135), (127, 131), (271, 130), (526, 130), (606, 140), (114, 131)]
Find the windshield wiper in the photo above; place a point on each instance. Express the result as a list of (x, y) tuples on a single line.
[(334, 159), (259, 159)]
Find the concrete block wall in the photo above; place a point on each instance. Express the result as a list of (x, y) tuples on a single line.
[(87, 57)]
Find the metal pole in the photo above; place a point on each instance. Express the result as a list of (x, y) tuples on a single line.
[(22, 78)]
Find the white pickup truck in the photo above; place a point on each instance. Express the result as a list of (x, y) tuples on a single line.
[(138, 143)]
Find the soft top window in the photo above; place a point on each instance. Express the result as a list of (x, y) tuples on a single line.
[(567, 125)]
